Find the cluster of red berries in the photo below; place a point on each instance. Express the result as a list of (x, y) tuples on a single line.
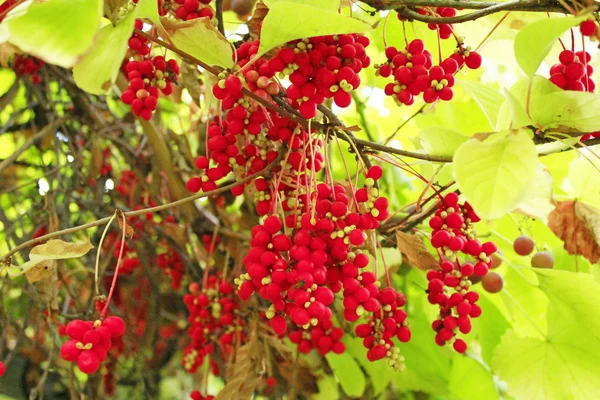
[(299, 272), (414, 73), (171, 264), (215, 324), (321, 68), (90, 341), (445, 31), (191, 9), (449, 287), (573, 72), (2, 369), (147, 76), (196, 395), (25, 65)]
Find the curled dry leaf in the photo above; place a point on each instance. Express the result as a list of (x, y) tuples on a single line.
[(40, 271), (128, 229), (260, 12), (415, 251), (245, 375), (54, 249), (578, 226)]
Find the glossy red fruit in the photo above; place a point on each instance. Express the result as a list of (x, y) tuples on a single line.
[(88, 362), (116, 326)]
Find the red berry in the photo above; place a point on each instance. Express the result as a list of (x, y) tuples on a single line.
[(88, 362)]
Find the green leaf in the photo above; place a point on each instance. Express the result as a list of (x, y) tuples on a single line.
[(494, 174), (287, 21), (380, 374), (57, 31), (470, 380), (577, 110), (534, 42), (348, 373), (328, 389), (563, 365), (489, 327), (200, 39), (512, 114), (441, 141), (331, 5), (538, 200), (97, 77), (489, 99), (583, 181)]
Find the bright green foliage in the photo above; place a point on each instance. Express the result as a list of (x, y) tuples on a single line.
[(288, 21), (577, 110), (534, 42), (200, 39), (563, 365), (348, 373), (495, 173), (111, 46), (57, 31), (489, 99), (441, 141), (471, 380), (538, 200), (330, 5), (578, 183)]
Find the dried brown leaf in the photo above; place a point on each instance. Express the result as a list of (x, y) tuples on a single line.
[(57, 249), (299, 374), (415, 251), (578, 226), (96, 159), (129, 232), (6, 52), (190, 79), (41, 270), (244, 372), (260, 12)]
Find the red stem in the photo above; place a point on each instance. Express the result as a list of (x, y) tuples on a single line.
[(114, 281)]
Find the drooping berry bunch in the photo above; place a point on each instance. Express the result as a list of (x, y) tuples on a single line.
[(299, 268), (25, 65), (147, 76), (414, 73), (196, 395), (190, 9), (573, 72), (321, 68), (215, 324), (90, 341), (450, 286), (444, 30)]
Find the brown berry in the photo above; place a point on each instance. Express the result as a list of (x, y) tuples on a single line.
[(523, 245), (492, 282), (543, 259)]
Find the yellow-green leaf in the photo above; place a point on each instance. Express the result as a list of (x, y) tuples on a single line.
[(534, 42), (494, 174), (57, 31), (200, 39), (288, 21), (441, 141)]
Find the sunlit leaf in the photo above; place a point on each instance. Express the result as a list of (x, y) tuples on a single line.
[(200, 39), (348, 373), (563, 365), (489, 99), (57, 31), (538, 200), (441, 141), (465, 372), (494, 174), (287, 21), (534, 42)]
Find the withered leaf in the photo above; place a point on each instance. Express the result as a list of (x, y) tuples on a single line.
[(415, 251), (260, 12), (578, 226), (298, 373), (41, 270), (128, 229), (54, 249), (244, 376)]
